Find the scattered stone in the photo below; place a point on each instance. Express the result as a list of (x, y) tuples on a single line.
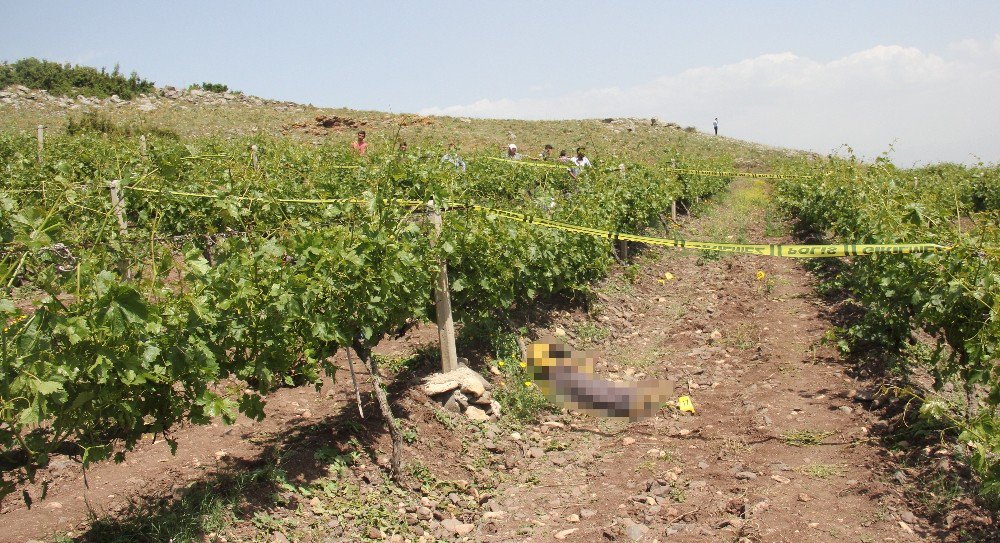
[(463, 378), (587, 513), (628, 441), (781, 479), (476, 414), (846, 409), (374, 533), (456, 526), (635, 530), (906, 527), (565, 533), (909, 518), (536, 452), (490, 515), (703, 465), (746, 475), (715, 335), (279, 538), (573, 518), (803, 497)]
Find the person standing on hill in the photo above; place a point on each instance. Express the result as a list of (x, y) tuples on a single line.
[(453, 157), (360, 146), (580, 161), (715, 125), (512, 153)]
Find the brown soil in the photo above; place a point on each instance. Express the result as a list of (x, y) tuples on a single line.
[(780, 449)]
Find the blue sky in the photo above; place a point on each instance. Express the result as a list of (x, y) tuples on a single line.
[(812, 75)]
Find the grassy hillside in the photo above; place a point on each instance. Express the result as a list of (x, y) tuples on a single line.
[(195, 114)]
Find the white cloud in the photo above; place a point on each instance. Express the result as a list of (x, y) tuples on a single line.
[(931, 107)]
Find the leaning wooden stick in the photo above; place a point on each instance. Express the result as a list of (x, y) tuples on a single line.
[(354, 379)]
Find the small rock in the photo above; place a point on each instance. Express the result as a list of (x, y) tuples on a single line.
[(456, 526), (565, 533), (909, 518), (906, 527), (587, 513), (716, 335), (703, 465), (476, 414), (781, 479), (803, 497), (573, 518), (536, 452), (374, 533), (628, 441), (279, 538), (746, 475), (846, 409), (634, 530)]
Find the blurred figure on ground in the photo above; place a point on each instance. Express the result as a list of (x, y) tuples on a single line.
[(562, 156), (454, 158), (568, 379), (360, 146), (715, 125), (403, 147)]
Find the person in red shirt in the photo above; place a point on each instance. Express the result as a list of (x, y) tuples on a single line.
[(361, 146)]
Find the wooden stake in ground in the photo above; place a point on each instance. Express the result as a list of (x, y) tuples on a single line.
[(442, 300), (142, 146), (354, 379), (364, 354), (253, 158), (673, 210), (41, 142), (118, 207)]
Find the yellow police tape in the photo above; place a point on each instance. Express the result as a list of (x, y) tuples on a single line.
[(721, 173), (781, 250), (529, 162)]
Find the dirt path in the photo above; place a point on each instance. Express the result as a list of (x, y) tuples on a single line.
[(778, 449), (748, 466)]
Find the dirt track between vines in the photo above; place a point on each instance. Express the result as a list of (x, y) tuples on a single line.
[(747, 350)]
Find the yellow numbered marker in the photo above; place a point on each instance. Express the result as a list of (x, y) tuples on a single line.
[(684, 404)]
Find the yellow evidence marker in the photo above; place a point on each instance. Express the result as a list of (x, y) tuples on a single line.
[(567, 379)]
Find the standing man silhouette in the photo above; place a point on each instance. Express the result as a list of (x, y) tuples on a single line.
[(715, 125)]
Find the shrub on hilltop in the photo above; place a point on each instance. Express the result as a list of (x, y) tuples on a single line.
[(67, 79)]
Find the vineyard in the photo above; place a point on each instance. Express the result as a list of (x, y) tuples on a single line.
[(139, 277)]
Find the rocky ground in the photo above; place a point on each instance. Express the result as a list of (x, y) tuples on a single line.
[(781, 446)]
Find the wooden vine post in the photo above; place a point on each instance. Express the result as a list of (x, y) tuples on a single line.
[(442, 300), (118, 207), (41, 142), (143, 151), (253, 157), (673, 210)]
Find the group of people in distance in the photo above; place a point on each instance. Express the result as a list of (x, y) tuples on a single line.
[(578, 162)]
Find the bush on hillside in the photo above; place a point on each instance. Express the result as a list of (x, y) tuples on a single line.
[(211, 87), (69, 80)]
